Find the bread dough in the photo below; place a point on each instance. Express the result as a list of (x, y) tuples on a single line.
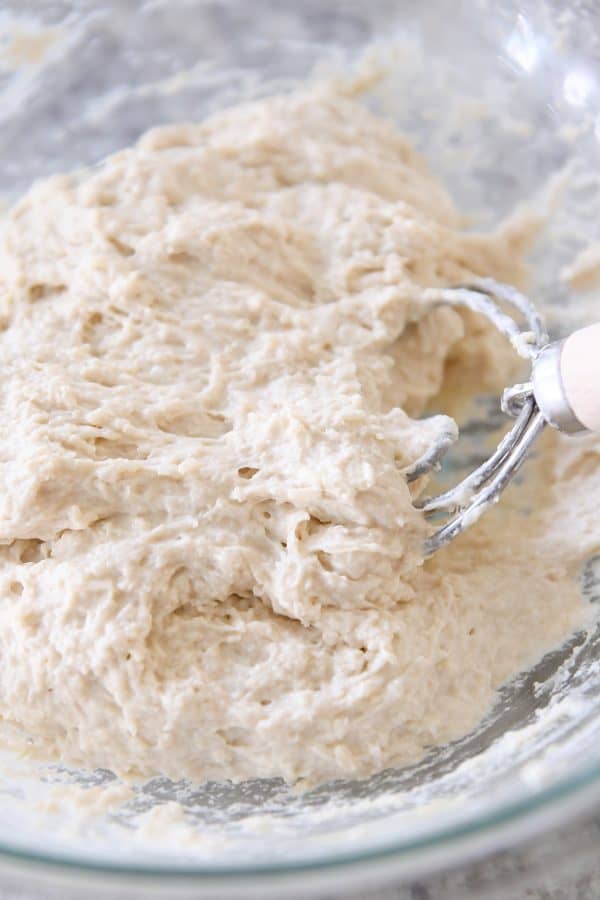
[(213, 346)]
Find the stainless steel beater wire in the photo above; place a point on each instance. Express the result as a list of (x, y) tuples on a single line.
[(430, 458), (485, 471), (491, 492), (482, 296), (478, 302), (483, 486), (518, 301)]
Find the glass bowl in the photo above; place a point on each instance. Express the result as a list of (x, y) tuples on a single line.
[(499, 98)]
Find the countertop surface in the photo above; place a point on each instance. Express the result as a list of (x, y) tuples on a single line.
[(561, 865)]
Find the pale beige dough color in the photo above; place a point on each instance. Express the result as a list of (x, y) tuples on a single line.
[(210, 564)]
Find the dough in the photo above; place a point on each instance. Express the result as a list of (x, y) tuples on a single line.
[(214, 348)]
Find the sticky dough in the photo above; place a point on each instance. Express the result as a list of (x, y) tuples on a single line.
[(214, 358)]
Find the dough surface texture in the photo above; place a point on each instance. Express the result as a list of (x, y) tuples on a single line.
[(214, 356)]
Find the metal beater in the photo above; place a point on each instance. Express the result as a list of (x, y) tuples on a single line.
[(563, 391)]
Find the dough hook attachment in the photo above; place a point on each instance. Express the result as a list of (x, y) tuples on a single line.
[(563, 391)]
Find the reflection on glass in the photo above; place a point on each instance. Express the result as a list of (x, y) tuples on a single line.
[(577, 87), (523, 45)]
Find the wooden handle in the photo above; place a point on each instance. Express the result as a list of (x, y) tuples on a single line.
[(580, 371)]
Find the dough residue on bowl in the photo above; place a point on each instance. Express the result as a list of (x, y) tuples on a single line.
[(214, 356)]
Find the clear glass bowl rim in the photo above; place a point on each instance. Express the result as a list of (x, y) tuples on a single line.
[(582, 789)]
